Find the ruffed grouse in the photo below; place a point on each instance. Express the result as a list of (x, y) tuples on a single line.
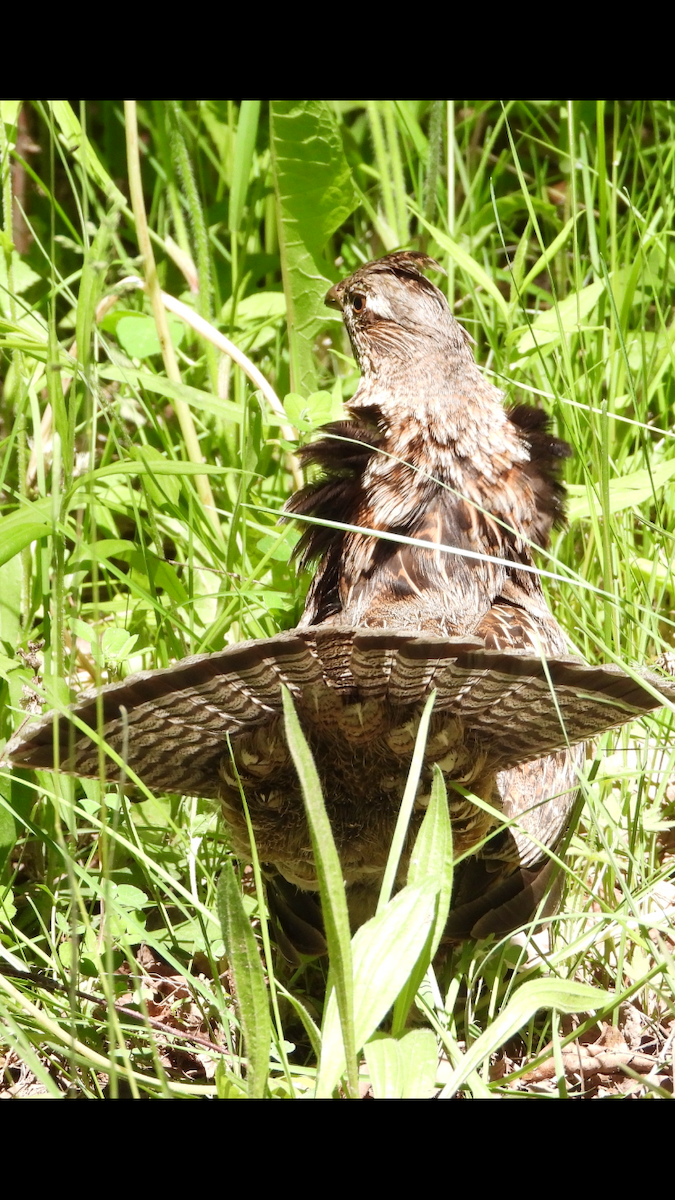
[(429, 454)]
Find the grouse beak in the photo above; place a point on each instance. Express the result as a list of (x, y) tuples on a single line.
[(333, 297)]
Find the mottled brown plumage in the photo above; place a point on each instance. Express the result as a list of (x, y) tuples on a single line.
[(429, 454)]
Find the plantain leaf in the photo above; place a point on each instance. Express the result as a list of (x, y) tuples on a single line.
[(403, 1068), (315, 195), (385, 951)]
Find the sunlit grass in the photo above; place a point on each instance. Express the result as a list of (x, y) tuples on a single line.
[(553, 224)]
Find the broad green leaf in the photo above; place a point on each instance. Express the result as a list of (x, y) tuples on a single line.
[(137, 335), (23, 276), (567, 316), (9, 111), (249, 979), (432, 855), (625, 492), (565, 996), (112, 319), (128, 895), (276, 601), (656, 568), (87, 633), (641, 348), (117, 644), (315, 195), (9, 664), (280, 547), (7, 906), (310, 413), (21, 528), (229, 1087), (261, 306), (385, 951), (403, 1068)]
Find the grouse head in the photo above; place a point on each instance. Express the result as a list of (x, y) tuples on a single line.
[(393, 313)]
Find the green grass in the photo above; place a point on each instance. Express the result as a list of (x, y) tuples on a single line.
[(140, 496)]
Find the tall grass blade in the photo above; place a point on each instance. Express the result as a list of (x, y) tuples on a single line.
[(331, 887), (566, 996), (249, 980)]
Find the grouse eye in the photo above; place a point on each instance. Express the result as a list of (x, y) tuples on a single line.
[(358, 303)]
